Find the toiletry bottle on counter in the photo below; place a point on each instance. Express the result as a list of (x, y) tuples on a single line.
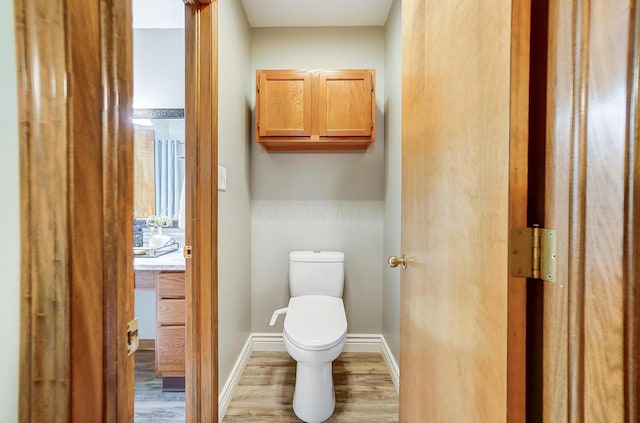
[(138, 236)]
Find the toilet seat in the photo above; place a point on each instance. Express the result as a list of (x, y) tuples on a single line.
[(315, 322)]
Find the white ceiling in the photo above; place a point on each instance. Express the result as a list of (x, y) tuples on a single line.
[(263, 13), (272, 13), (158, 14)]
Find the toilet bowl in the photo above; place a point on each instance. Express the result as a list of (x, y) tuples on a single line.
[(315, 331)]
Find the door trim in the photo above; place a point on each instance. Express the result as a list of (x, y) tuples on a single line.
[(631, 258), (118, 174), (201, 122), (518, 194)]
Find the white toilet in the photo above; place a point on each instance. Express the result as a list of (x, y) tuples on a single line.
[(315, 329)]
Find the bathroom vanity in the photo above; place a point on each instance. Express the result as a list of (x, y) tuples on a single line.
[(165, 276)]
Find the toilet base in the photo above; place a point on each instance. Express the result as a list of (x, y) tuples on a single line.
[(314, 398)]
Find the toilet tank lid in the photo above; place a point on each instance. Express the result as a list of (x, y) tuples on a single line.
[(317, 256)]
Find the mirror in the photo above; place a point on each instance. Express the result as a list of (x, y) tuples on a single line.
[(159, 163)]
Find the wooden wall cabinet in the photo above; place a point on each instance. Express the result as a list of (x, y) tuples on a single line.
[(315, 110), (170, 325)]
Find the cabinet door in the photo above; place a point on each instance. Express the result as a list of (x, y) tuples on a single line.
[(345, 102), (170, 324), (284, 103), (171, 312), (170, 350), (171, 285)]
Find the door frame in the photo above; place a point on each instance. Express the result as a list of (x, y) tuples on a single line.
[(573, 343), (76, 173), (201, 155), (518, 204)]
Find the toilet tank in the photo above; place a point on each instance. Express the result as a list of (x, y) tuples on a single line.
[(316, 273)]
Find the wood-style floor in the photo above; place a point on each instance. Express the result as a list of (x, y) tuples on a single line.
[(151, 404), (364, 390)]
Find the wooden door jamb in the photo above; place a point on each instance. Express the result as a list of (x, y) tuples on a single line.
[(201, 116)]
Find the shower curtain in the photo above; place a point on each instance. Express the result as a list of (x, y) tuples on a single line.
[(169, 176)]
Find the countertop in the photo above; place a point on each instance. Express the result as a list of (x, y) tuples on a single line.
[(171, 261)]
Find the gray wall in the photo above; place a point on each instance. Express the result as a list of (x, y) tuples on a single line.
[(393, 176), (331, 201), (234, 205), (158, 68), (10, 217)]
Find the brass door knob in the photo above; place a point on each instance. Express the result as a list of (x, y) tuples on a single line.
[(395, 261)]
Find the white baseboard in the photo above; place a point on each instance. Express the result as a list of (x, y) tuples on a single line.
[(267, 342), (274, 342), (356, 342), (392, 364), (224, 399)]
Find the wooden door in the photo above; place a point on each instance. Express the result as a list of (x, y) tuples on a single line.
[(284, 103), (592, 197), (76, 183), (346, 103), (76, 205), (455, 210)]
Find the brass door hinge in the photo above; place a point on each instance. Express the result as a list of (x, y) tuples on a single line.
[(533, 253), (133, 340), (187, 251)]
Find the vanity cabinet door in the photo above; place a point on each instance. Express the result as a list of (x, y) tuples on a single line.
[(171, 285), (170, 327), (171, 312), (170, 351)]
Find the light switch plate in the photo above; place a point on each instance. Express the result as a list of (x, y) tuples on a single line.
[(222, 178)]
